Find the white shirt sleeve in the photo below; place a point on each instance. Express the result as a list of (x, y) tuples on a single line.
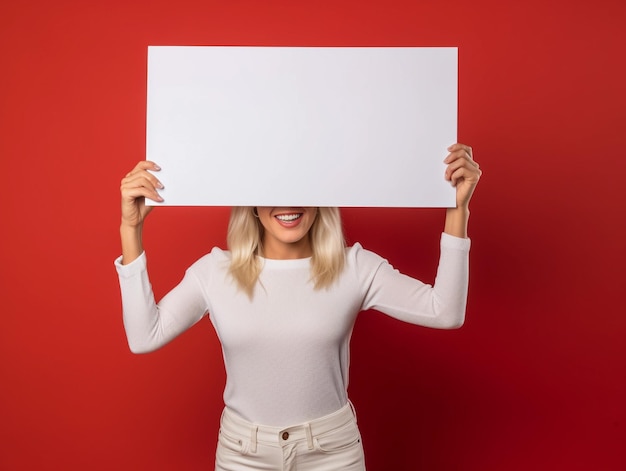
[(439, 306), (149, 325)]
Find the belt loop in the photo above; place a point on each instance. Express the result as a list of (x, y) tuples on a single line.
[(309, 435), (253, 437)]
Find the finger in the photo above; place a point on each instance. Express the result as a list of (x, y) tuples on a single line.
[(457, 175), (460, 163), (458, 154), (464, 173), (144, 165), (140, 177), (457, 150), (139, 185), (133, 193), (147, 165), (456, 161), (459, 146)]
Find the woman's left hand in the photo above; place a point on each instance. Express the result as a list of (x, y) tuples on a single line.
[(462, 172)]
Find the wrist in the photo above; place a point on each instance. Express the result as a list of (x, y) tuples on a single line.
[(456, 221), (130, 227), (459, 211), (131, 238)]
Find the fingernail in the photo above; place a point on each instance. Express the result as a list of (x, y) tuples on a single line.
[(160, 185), (156, 167)]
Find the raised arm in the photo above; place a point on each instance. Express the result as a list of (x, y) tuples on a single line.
[(443, 304), (149, 325)]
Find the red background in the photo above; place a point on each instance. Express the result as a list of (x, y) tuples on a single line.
[(535, 380)]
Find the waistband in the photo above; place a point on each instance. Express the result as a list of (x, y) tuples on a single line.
[(280, 436)]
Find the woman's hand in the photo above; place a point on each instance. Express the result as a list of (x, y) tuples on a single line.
[(136, 186), (462, 172)]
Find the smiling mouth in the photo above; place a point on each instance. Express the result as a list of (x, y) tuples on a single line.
[(288, 217)]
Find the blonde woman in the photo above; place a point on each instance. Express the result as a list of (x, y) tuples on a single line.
[(283, 300)]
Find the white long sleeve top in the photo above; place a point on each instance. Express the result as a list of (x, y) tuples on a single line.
[(286, 349)]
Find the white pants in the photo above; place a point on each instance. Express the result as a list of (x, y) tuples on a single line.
[(330, 443)]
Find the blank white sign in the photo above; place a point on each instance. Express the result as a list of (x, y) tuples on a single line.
[(302, 126)]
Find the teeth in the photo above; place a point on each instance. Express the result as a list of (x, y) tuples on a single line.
[(288, 217)]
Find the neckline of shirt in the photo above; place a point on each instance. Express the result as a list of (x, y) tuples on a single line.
[(285, 263)]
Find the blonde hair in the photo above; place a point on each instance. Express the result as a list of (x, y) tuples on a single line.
[(245, 237)]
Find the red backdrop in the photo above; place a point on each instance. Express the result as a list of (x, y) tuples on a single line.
[(535, 380)]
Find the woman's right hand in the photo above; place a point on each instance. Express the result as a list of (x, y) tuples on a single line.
[(136, 186)]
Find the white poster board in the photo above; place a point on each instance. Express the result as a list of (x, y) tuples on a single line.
[(302, 126)]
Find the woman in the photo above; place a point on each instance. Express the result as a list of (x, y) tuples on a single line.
[(283, 301)]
